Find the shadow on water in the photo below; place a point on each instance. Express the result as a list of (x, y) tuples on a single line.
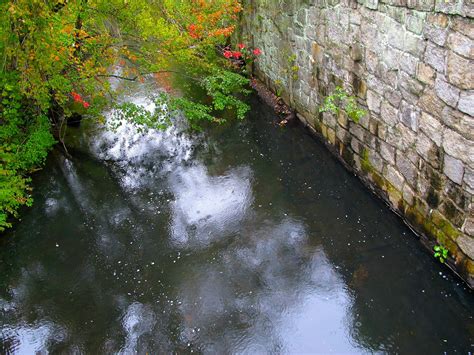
[(246, 238)]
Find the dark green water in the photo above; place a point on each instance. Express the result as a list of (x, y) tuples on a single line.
[(248, 238)]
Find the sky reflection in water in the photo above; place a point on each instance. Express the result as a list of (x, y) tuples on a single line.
[(247, 238)]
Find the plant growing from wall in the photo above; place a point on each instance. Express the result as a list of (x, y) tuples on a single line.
[(279, 88), (338, 100), (440, 253), (292, 69)]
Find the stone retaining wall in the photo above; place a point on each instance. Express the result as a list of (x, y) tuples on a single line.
[(411, 65)]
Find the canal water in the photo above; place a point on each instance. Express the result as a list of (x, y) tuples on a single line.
[(245, 238)]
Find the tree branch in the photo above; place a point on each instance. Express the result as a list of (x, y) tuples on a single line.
[(148, 73)]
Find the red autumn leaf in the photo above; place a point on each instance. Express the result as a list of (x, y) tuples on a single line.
[(237, 55), (76, 97)]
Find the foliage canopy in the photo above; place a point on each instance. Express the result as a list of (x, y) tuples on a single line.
[(58, 55)]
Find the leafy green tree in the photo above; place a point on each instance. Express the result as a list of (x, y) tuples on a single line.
[(58, 55)]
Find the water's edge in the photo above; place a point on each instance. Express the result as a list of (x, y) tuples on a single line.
[(424, 239)]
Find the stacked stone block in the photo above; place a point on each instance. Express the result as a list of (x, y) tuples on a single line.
[(410, 63)]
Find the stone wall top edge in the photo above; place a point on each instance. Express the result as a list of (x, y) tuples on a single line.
[(453, 8)]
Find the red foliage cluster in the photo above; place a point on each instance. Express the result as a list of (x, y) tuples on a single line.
[(78, 98), (193, 31), (243, 53), (231, 54)]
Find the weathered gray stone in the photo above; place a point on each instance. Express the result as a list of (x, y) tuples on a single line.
[(356, 145), (414, 44), (469, 227), (382, 130), (394, 177), (388, 75), (466, 102), (372, 4), (365, 121), (371, 61), (393, 97), (406, 168), (446, 92), (422, 5), (412, 155), (401, 137), (408, 63), (387, 152), (357, 131), (414, 22), (412, 87), (453, 168), (427, 149), (408, 194), (436, 57), (329, 119), (355, 18), (374, 84), (391, 57), (469, 179), (461, 44), (467, 245), (373, 101), (463, 25), (409, 116), (432, 127), (395, 34), (394, 2), (375, 161), (429, 102), (460, 71), (389, 114), (435, 34), (459, 122), (395, 12), (458, 147), (452, 7)]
